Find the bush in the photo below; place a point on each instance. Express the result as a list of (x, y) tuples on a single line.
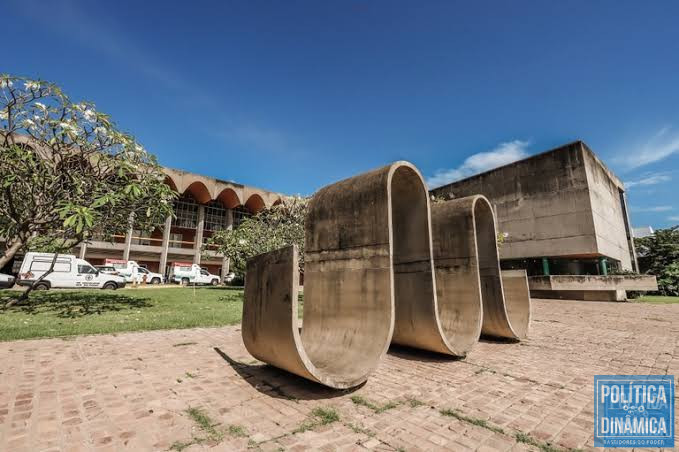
[(237, 281), (658, 255)]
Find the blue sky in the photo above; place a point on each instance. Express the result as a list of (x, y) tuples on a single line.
[(292, 95)]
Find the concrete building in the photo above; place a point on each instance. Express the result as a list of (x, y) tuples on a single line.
[(562, 211), (204, 205)]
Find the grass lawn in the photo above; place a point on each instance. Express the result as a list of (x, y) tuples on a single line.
[(72, 312), (660, 299)]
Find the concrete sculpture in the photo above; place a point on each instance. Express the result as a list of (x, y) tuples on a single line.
[(361, 239), (470, 298), (517, 301), (466, 259), (371, 275), (456, 264)]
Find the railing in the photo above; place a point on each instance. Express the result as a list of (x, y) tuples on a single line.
[(181, 242), (147, 241), (151, 241)]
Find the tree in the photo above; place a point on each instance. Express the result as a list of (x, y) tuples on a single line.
[(658, 254), (67, 173), (272, 228)]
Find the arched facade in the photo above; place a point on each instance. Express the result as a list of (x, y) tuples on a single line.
[(229, 198), (228, 192), (203, 206), (255, 203), (199, 192)]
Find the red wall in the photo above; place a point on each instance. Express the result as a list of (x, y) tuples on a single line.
[(214, 269)]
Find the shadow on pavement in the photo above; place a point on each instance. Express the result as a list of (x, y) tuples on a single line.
[(280, 384), (416, 354)]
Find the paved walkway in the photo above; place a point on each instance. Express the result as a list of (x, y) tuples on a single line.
[(132, 391)]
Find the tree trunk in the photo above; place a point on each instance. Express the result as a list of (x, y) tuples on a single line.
[(10, 252), (24, 296)]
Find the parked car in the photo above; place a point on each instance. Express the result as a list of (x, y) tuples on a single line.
[(69, 272), (135, 273), (6, 281), (229, 277), (192, 274)]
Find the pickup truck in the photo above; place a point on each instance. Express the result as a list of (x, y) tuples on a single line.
[(192, 274)]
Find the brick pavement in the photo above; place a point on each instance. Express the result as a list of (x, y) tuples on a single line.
[(131, 391)]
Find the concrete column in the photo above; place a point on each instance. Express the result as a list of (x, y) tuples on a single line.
[(226, 263), (604, 266), (83, 250), (545, 266), (166, 244), (229, 219), (128, 243), (225, 267), (198, 244)]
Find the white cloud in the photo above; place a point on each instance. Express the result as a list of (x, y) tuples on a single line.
[(674, 218), (661, 145), (652, 209), (649, 179), (503, 154)]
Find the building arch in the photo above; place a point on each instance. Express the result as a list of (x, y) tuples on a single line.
[(255, 203), (199, 191), (229, 198), (171, 183)]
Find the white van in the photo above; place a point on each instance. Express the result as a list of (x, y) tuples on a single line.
[(134, 273), (69, 273), (186, 274)]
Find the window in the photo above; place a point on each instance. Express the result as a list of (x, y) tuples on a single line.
[(42, 265), (186, 211), (142, 270), (216, 216), (240, 213), (203, 272), (141, 237), (86, 269)]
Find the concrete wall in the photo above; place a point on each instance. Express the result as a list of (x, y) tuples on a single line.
[(610, 219), (563, 202), (543, 203), (589, 282)]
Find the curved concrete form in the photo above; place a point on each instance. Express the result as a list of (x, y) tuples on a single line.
[(361, 244), (456, 267), (495, 318), (270, 327), (417, 322), (467, 258), (371, 273), (517, 300)]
